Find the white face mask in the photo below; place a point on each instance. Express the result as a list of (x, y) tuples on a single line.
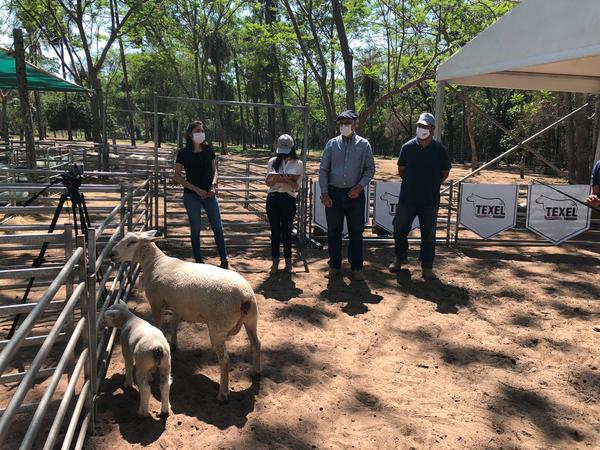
[(422, 133), (198, 138), (346, 130)]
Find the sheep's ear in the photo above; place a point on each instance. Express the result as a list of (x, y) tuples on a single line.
[(150, 235)]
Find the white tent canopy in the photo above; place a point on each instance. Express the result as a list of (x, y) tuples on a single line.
[(539, 45)]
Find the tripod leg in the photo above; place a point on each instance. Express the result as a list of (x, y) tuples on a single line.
[(37, 262), (86, 224), (74, 211), (85, 212)]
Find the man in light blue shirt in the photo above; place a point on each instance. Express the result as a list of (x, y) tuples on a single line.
[(346, 170)]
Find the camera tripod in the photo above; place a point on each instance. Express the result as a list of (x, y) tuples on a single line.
[(71, 180)]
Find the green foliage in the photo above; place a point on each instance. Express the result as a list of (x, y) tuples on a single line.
[(256, 51), (56, 111)]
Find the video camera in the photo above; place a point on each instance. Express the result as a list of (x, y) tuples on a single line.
[(71, 179)]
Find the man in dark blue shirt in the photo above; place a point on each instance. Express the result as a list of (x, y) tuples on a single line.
[(596, 179), (423, 165)]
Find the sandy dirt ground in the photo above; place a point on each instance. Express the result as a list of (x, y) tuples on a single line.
[(500, 353)]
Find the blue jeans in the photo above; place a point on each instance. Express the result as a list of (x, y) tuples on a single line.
[(193, 205), (405, 214), (354, 212)]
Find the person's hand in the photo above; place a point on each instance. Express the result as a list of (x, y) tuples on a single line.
[(202, 193), (593, 200), (326, 200), (212, 192), (355, 191)]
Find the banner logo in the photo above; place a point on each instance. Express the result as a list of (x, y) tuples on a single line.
[(488, 207), (555, 216), (391, 201), (387, 197), (557, 209)]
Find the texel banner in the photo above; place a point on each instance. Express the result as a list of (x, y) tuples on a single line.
[(555, 216), (488, 209), (318, 210), (386, 199)]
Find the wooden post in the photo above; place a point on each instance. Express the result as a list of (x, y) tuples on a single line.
[(24, 97)]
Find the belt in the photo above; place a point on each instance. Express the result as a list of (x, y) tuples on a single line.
[(335, 188)]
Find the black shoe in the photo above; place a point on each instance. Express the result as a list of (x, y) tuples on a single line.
[(224, 264), (200, 261)]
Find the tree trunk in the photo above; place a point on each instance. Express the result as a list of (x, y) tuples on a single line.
[(127, 92), (4, 128), (24, 97), (68, 118), (64, 74), (281, 88), (38, 115), (569, 135), (469, 124), (338, 18), (270, 18), (583, 146), (239, 92), (96, 105)]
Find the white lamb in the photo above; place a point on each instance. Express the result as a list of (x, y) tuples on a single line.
[(145, 346), (220, 298)]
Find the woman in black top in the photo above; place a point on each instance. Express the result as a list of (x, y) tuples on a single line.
[(197, 158)]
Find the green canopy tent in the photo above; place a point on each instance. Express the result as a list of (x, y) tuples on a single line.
[(37, 79)]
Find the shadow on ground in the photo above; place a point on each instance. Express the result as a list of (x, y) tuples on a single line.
[(356, 295)]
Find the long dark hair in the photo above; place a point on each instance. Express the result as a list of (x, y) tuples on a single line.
[(189, 143), (279, 159)]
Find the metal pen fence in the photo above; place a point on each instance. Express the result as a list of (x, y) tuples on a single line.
[(79, 291)]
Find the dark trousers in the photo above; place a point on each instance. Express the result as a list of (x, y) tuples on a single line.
[(405, 214), (353, 210), (281, 210)]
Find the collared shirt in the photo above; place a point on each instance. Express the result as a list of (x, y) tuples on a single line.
[(346, 164), (596, 174), (423, 172)]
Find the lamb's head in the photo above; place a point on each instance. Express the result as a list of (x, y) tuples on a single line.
[(115, 315), (127, 247)]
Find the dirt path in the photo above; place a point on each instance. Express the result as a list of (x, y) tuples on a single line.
[(499, 354)]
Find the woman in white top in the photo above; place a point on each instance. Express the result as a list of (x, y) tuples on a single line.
[(284, 174)]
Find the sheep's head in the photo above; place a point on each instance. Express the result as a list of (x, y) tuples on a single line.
[(125, 249), (115, 315)]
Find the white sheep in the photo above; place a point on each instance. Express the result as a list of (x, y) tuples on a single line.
[(220, 298), (146, 347)]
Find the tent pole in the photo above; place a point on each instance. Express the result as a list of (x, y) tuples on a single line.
[(439, 110)]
